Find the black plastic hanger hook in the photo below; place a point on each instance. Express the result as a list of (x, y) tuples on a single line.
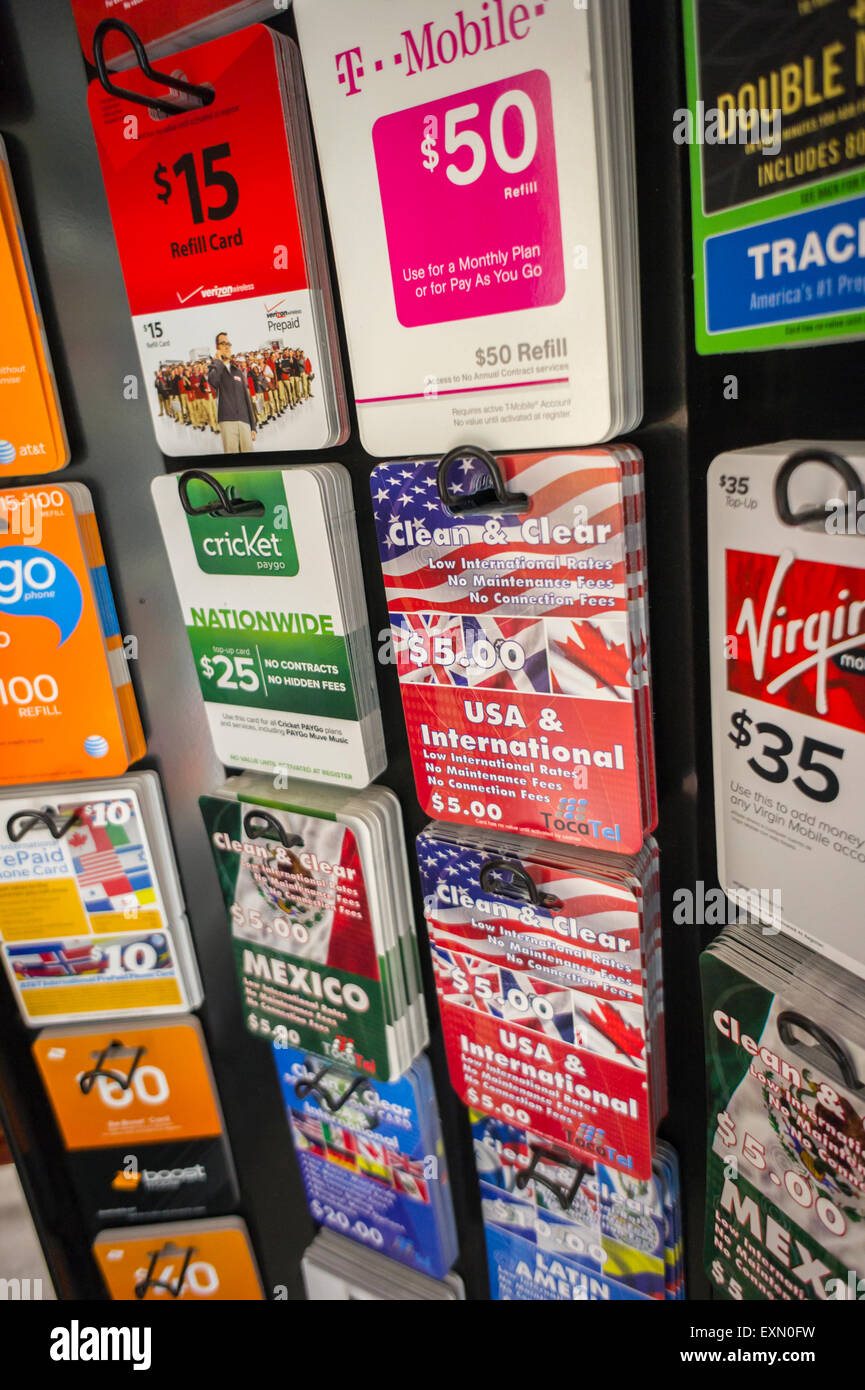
[(807, 515), (226, 504), (205, 95), (493, 498)]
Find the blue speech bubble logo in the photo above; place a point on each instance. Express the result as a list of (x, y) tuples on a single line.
[(35, 583)]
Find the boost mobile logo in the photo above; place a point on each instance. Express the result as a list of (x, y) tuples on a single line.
[(35, 583), (158, 1179)]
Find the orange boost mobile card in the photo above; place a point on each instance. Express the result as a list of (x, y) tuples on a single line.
[(206, 1260), (128, 1086)]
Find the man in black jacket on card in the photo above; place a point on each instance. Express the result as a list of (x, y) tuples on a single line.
[(235, 416)]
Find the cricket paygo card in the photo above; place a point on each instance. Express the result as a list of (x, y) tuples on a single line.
[(267, 571)]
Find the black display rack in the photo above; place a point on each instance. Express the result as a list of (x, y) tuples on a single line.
[(691, 415)]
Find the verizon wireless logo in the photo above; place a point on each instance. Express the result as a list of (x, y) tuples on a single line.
[(77, 1343), (280, 317)]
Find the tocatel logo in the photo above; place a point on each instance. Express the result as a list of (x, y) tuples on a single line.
[(253, 542), (35, 583)]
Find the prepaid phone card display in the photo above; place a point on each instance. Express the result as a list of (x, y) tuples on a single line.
[(139, 1116), (787, 645), (777, 154)]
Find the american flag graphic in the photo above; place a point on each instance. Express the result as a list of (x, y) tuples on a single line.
[(502, 932), (111, 864), (565, 488)]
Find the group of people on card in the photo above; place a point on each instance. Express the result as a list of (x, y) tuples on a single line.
[(234, 394)]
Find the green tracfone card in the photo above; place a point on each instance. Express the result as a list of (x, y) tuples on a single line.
[(776, 129)]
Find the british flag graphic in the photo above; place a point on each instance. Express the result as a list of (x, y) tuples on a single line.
[(429, 648), (614, 1031), (471, 652)]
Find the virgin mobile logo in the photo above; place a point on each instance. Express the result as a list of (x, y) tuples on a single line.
[(811, 640)]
